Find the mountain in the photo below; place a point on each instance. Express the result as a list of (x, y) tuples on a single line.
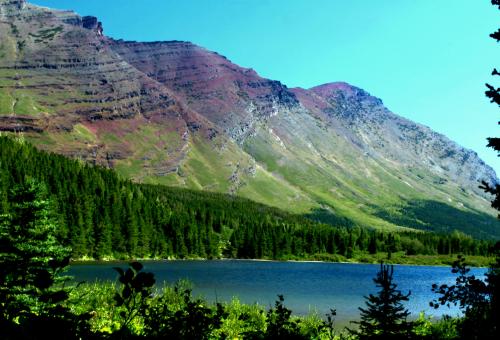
[(177, 114)]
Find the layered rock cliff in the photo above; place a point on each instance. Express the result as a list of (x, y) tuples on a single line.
[(178, 114)]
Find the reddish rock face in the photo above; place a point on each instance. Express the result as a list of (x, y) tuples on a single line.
[(209, 83)]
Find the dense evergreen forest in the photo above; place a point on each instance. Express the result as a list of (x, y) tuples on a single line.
[(101, 215)]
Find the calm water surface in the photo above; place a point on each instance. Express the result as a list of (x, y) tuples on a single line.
[(307, 286)]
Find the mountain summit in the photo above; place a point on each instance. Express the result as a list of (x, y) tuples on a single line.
[(175, 113)]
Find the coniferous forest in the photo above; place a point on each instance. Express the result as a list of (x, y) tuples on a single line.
[(102, 216), (38, 302)]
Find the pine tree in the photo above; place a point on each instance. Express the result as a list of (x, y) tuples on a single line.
[(384, 316), (31, 257)]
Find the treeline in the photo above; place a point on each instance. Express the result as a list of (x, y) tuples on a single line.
[(101, 215), (263, 241)]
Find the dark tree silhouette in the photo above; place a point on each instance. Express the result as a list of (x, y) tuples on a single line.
[(494, 142), (136, 289), (385, 315), (479, 300)]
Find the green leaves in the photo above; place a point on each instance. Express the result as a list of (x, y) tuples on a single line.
[(478, 299), (135, 291)]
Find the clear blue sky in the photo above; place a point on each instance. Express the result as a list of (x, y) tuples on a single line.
[(427, 60)]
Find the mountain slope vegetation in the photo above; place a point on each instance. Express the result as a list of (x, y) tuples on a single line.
[(101, 215)]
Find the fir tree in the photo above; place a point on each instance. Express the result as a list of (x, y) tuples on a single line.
[(32, 295), (384, 316), (31, 256)]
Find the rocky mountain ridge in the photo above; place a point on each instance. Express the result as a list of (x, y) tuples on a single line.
[(177, 114)]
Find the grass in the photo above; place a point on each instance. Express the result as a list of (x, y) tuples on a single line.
[(149, 147), (25, 105), (81, 132), (7, 46), (6, 102), (209, 167), (265, 187)]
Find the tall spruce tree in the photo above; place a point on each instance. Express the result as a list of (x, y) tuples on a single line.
[(30, 255), (385, 315)]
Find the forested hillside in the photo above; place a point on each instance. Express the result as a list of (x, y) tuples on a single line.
[(101, 215)]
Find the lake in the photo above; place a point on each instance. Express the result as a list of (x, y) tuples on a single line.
[(306, 286)]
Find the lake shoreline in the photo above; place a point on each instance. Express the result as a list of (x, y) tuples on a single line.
[(145, 260), (307, 286)]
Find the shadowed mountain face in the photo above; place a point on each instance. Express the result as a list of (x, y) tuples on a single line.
[(174, 113)]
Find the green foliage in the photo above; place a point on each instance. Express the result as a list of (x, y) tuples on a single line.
[(241, 319), (384, 316), (280, 325), (133, 310), (443, 218), (136, 289), (192, 319), (478, 299), (96, 299), (31, 257), (32, 293), (173, 313), (444, 328), (46, 34)]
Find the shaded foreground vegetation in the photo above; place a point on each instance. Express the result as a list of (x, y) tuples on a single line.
[(102, 216), (36, 301), (134, 309)]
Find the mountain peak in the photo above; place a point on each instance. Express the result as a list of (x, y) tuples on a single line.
[(329, 89), (336, 85), (336, 90)]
